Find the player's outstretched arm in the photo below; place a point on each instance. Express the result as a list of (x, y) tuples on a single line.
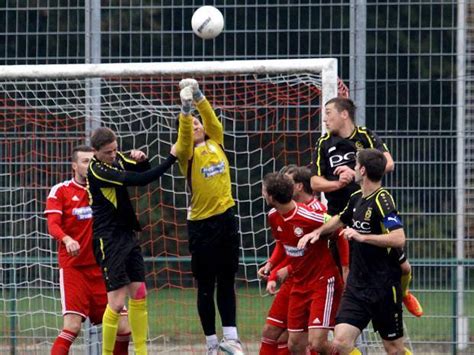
[(212, 125), (108, 176), (185, 141), (138, 161), (394, 239), (328, 228)]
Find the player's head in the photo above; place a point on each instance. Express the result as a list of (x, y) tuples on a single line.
[(301, 177), (199, 135), (286, 168), (81, 156), (339, 112), (104, 142), (277, 189), (370, 164), (198, 131)]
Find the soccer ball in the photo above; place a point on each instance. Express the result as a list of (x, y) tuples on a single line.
[(207, 22)]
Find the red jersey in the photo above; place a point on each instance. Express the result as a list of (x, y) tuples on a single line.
[(316, 205), (315, 259), (279, 259), (69, 213)]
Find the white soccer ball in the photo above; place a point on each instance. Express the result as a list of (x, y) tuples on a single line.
[(207, 22)]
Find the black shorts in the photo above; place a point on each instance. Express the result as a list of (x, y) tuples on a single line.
[(381, 306), (214, 245), (120, 258)]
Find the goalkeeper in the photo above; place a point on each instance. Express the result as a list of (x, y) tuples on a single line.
[(212, 226)]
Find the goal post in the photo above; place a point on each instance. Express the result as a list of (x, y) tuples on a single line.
[(271, 114)]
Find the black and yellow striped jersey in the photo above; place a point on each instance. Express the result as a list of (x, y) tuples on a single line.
[(206, 166), (109, 198), (372, 266), (332, 151)]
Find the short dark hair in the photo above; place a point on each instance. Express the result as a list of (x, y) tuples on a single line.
[(343, 104), (279, 187), (80, 148), (374, 162), (302, 175), (102, 136)]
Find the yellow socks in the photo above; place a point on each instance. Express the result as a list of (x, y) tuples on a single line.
[(110, 322), (138, 319)]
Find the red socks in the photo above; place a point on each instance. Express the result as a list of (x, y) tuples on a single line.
[(271, 347), (268, 347), (65, 339), (121, 344), (63, 342), (283, 349)]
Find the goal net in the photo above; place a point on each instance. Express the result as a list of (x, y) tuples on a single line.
[(271, 113)]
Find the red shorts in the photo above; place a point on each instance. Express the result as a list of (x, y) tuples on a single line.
[(83, 292), (278, 314), (315, 306)]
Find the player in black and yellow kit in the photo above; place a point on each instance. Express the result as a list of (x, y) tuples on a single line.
[(373, 291), (212, 226), (115, 246), (333, 165)]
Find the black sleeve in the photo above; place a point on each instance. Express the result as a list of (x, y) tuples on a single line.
[(376, 141), (385, 203), (132, 165), (144, 178), (107, 175), (318, 160)]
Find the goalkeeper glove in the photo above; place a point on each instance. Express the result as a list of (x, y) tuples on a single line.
[(193, 84), (186, 95)]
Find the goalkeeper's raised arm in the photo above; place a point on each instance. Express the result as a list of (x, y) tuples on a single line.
[(212, 227)]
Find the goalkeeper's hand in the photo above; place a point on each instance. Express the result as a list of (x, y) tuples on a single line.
[(186, 95), (194, 85)]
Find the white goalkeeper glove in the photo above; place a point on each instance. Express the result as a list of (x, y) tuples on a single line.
[(194, 85), (186, 95)]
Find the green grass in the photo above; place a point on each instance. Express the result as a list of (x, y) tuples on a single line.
[(173, 316)]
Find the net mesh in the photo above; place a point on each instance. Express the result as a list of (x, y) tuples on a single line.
[(269, 121)]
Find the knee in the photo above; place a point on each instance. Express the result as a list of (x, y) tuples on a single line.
[(406, 268), (317, 345), (73, 325), (116, 304), (271, 332), (295, 346), (342, 345), (395, 348), (205, 289), (140, 292)]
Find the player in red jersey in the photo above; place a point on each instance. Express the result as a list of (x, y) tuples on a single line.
[(275, 335), (317, 286), (83, 291)]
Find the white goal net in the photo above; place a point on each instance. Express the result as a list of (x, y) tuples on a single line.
[(271, 116)]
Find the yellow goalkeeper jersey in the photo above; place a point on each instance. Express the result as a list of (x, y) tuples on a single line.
[(205, 167)]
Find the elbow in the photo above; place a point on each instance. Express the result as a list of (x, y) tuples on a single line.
[(400, 242), (390, 167)]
